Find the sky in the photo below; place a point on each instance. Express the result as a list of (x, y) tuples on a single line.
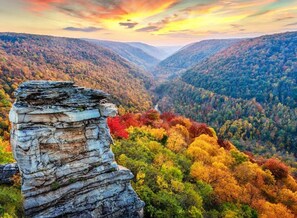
[(156, 22)]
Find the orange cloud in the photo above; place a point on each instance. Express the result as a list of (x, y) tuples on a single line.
[(152, 18), (42, 5), (101, 9)]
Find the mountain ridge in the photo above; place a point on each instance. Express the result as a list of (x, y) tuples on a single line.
[(131, 53), (191, 54)]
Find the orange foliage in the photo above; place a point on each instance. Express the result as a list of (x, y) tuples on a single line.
[(269, 210), (181, 121)]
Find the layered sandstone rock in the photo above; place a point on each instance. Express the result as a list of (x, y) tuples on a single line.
[(61, 142)]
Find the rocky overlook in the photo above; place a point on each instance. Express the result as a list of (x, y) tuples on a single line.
[(61, 143)]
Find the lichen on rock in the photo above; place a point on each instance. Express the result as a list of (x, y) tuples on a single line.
[(61, 143)]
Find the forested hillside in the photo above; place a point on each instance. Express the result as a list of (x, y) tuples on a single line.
[(267, 132), (264, 68), (131, 53), (248, 92), (191, 55), (32, 57), (183, 169)]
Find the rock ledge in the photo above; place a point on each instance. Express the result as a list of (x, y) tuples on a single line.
[(61, 143)]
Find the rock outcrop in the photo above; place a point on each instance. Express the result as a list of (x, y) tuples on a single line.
[(61, 143), (7, 172)]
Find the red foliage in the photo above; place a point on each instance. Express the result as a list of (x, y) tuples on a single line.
[(167, 116), (149, 117), (224, 144), (277, 168), (130, 119), (117, 128), (198, 129)]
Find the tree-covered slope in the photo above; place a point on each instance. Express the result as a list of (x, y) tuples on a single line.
[(24, 57), (32, 57), (266, 129), (183, 169), (192, 54), (131, 53), (248, 92), (264, 68)]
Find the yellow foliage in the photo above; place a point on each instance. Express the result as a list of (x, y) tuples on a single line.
[(122, 160), (182, 131), (222, 157), (121, 110), (199, 171), (206, 144), (230, 214), (161, 182), (219, 165), (177, 186), (154, 146), (159, 159), (176, 142), (168, 164), (288, 198), (157, 133), (140, 177), (198, 154)]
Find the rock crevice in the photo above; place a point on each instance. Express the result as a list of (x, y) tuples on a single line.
[(61, 143)]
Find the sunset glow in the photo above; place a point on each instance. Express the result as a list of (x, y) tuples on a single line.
[(164, 22)]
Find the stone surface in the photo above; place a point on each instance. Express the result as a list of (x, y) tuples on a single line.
[(61, 143), (7, 172)]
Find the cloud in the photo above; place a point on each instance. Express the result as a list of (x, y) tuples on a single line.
[(42, 5), (292, 24), (148, 29), (95, 10), (128, 24), (83, 29), (153, 27), (260, 13), (161, 17), (284, 18)]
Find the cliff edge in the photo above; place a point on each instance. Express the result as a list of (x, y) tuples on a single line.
[(61, 142)]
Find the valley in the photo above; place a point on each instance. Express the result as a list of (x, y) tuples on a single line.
[(245, 88), (195, 125)]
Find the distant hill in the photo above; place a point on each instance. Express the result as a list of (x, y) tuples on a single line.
[(170, 50), (34, 57), (191, 55), (264, 68), (153, 51), (131, 53), (248, 92)]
